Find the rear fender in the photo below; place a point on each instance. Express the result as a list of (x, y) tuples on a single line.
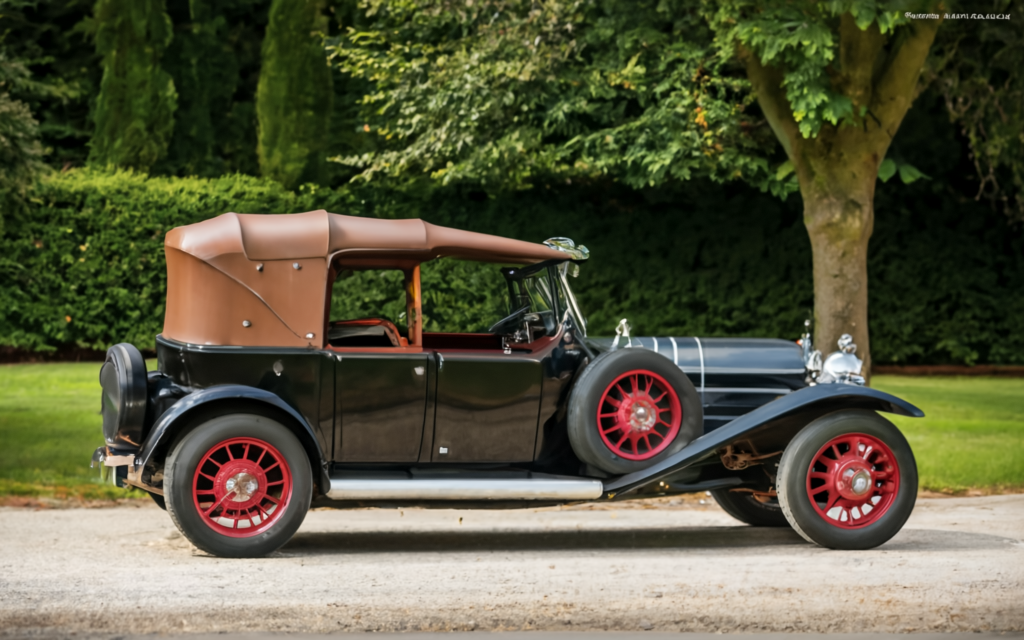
[(772, 424), (182, 412)]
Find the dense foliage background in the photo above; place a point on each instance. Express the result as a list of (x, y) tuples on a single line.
[(81, 260), (85, 265)]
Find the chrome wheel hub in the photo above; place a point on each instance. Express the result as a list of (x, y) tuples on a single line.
[(244, 486), (860, 482), (642, 416), (854, 482)]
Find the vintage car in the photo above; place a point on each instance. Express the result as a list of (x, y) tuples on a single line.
[(262, 404)]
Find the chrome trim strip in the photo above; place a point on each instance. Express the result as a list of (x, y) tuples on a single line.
[(746, 390), (655, 344), (675, 352), (763, 372), (464, 489), (700, 350)]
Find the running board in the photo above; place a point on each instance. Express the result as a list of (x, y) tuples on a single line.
[(535, 488)]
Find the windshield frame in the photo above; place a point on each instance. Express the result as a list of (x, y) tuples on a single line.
[(557, 272), (574, 306)]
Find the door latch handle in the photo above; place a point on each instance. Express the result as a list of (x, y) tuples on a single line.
[(440, 362)]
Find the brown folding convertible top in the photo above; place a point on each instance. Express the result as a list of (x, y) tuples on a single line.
[(262, 279)]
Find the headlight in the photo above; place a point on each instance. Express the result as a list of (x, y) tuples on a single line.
[(840, 364)]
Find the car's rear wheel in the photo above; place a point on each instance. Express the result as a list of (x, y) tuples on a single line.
[(749, 509), (630, 409), (238, 485), (848, 480)]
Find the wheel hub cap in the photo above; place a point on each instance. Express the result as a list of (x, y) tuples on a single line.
[(642, 416), (244, 485), (855, 483)]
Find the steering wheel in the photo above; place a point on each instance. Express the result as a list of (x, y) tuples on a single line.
[(510, 324)]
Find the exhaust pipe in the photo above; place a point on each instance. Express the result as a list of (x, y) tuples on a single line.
[(549, 488)]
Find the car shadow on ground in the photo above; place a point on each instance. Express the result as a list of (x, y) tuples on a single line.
[(476, 540), (740, 539)]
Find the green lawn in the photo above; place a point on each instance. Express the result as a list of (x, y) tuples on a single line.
[(49, 427), (972, 437)]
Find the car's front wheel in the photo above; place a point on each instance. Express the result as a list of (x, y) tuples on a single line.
[(238, 485), (848, 480)]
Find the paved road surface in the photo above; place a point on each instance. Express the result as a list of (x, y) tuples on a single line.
[(957, 566)]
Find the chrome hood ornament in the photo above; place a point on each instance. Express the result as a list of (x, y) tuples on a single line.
[(622, 331), (840, 367), (567, 246)]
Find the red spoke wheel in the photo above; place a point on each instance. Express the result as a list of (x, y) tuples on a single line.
[(853, 480), (639, 415), (631, 408), (848, 480), (242, 486), (238, 485)]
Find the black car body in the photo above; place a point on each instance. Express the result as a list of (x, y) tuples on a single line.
[(504, 418)]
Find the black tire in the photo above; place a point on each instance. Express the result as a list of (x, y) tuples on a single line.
[(896, 494), (747, 509), (159, 500), (208, 440), (585, 432)]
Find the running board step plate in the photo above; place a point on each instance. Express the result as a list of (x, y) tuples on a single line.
[(464, 489)]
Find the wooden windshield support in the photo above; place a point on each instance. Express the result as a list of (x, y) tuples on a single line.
[(414, 306)]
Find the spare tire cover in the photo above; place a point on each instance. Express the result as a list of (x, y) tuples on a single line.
[(123, 405)]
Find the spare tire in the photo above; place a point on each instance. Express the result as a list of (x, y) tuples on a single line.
[(123, 404), (630, 409)]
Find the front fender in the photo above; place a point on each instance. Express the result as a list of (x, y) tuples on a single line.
[(184, 408), (809, 402)]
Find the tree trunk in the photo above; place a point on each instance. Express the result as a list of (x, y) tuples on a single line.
[(839, 225), (838, 167)]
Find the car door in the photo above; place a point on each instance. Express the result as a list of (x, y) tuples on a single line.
[(380, 406), (487, 406)]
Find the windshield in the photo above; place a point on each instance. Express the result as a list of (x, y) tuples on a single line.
[(534, 291), (545, 292)]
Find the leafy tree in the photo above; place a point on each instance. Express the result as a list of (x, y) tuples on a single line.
[(20, 151), (135, 107), (503, 92), (506, 92), (49, 38), (834, 80), (214, 60), (205, 76), (977, 67), (294, 96)]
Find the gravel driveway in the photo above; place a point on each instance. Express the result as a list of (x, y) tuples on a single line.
[(669, 566)]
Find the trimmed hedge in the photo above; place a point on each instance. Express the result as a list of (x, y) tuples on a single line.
[(85, 266)]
